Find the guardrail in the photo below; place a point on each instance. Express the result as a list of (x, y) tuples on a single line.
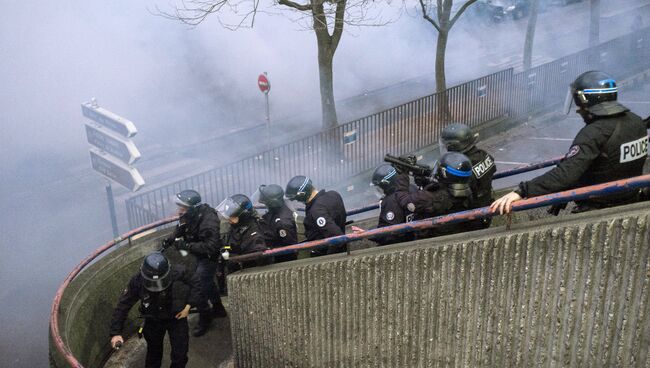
[(541, 201), (331, 156), (54, 313), (598, 190)]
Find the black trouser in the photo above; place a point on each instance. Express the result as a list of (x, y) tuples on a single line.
[(154, 334), (206, 269)]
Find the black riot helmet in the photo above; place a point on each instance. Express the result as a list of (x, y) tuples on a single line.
[(457, 137), (595, 92), (156, 272), (455, 170), (238, 205), (299, 188), (384, 178), (272, 196), (188, 198)]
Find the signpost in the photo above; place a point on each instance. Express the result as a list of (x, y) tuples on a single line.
[(265, 86), (113, 152)]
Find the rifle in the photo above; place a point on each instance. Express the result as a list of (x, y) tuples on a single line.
[(409, 164)]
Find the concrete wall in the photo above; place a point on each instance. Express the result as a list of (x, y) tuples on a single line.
[(87, 304), (568, 291)]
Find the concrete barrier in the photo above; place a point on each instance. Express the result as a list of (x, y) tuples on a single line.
[(88, 302), (569, 291)]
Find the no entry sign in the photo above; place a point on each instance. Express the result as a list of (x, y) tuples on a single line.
[(263, 83)]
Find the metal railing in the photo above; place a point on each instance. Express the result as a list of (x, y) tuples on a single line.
[(331, 156), (598, 190)]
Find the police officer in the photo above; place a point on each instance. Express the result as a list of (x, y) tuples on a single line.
[(449, 194), (612, 145), (166, 295), (390, 211), (245, 235), (278, 223), (198, 233), (324, 213), (457, 137)]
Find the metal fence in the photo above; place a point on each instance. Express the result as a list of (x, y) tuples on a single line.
[(331, 156)]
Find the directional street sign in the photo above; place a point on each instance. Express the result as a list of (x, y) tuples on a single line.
[(108, 119), (109, 142), (111, 168)]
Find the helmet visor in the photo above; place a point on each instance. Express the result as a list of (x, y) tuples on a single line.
[(442, 146), (157, 284), (568, 101), (260, 200), (228, 208), (377, 191)]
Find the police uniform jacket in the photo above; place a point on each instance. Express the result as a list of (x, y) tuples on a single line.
[(200, 229), (392, 213), (164, 305), (609, 148), (483, 168), (325, 216), (279, 227), (246, 237), (430, 203)]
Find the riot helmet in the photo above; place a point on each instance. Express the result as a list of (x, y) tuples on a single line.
[(299, 189), (236, 208), (595, 92), (457, 137), (271, 196), (156, 272), (187, 198), (455, 170), (384, 178)]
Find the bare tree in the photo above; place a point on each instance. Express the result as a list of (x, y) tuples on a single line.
[(594, 24), (530, 34), (325, 17), (442, 21)]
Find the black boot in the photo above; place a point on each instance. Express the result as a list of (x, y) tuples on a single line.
[(203, 325), (218, 311)]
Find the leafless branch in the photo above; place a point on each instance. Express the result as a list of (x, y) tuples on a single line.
[(427, 17), (460, 12), (291, 4)]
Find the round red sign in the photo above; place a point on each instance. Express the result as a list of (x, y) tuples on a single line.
[(263, 83)]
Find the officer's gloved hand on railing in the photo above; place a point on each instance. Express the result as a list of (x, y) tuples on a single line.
[(556, 208), (166, 243)]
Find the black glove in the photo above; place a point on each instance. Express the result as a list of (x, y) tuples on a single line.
[(556, 208), (166, 243), (181, 244), (421, 181)]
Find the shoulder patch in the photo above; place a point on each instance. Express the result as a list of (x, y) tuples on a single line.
[(321, 221), (390, 216), (572, 151), (410, 207), (282, 233)]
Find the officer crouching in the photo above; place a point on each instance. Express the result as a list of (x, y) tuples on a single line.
[(166, 295)]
